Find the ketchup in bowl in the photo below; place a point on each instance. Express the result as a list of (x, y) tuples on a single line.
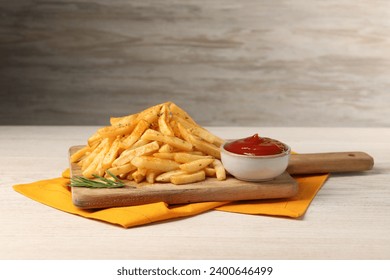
[(256, 146), (255, 158)]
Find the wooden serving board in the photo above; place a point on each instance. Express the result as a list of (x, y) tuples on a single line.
[(209, 190)]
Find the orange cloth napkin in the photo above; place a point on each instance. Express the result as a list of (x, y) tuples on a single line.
[(56, 193)]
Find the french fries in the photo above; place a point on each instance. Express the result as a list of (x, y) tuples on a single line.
[(148, 162), (188, 178), (160, 144), (196, 165)]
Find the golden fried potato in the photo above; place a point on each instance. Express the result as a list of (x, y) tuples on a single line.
[(159, 144)]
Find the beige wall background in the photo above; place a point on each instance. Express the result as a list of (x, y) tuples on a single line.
[(227, 62)]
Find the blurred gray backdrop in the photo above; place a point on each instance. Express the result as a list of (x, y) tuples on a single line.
[(226, 62)]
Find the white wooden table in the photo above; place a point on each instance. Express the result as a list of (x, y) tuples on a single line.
[(348, 219)]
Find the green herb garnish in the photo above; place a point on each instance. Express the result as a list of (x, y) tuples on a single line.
[(98, 183)]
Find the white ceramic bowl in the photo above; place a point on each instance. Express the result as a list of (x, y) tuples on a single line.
[(255, 168)]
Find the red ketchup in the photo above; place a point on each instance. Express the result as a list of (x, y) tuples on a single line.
[(256, 146)]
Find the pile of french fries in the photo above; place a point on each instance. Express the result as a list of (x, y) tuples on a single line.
[(160, 144)]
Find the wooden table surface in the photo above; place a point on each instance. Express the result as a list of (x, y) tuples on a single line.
[(348, 219)]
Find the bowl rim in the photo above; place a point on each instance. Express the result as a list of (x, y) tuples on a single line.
[(284, 153)]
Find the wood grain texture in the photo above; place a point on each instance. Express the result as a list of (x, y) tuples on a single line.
[(340, 162), (262, 63)]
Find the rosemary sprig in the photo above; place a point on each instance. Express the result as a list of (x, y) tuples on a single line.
[(97, 183)]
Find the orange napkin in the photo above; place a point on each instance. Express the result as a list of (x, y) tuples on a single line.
[(293, 207), (56, 193)]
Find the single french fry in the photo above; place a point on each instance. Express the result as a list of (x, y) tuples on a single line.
[(123, 169), (170, 156), (178, 143), (149, 162), (151, 176), (173, 125), (166, 176), (210, 172), (165, 148), (112, 153), (139, 129), (187, 157), (121, 121), (150, 115), (151, 111), (188, 178), (182, 121), (196, 165), (218, 141), (79, 154), (163, 124), (205, 147), (87, 173), (139, 143), (127, 155), (177, 111), (198, 153), (202, 133), (138, 175), (219, 169), (184, 132), (114, 131), (205, 135), (146, 149), (94, 139)]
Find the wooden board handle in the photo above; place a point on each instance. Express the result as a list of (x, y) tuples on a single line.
[(329, 162)]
